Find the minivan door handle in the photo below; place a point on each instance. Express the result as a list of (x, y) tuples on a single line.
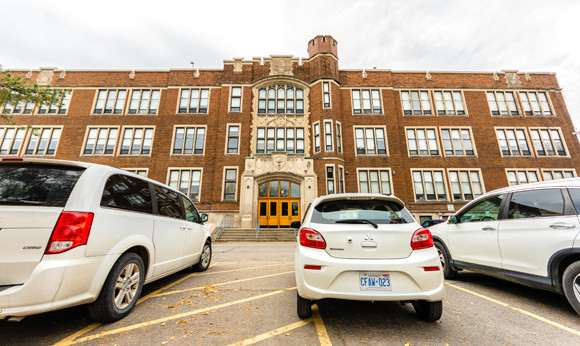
[(562, 226), (488, 228)]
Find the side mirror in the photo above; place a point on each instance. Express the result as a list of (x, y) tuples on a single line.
[(452, 219), (204, 217), (295, 224)]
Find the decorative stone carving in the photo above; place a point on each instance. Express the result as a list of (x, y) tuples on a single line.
[(364, 74), (428, 75), (495, 77), (512, 79), (196, 74), (62, 74), (527, 76), (45, 76), (281, 66), (29, 74), (132, 75), (238, 65)]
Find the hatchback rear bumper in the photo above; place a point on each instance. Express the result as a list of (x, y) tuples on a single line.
[(339, 277)]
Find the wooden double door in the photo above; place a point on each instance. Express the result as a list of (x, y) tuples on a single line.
[(278, 203)]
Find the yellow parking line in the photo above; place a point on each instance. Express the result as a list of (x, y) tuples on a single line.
[(178, 316), (273, 333), (537, 317), (69, 340), (320, 328)]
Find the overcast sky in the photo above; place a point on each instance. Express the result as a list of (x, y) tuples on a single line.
[(530, 36)]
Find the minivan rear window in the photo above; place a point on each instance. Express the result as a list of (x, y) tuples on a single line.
[(374, 210), (34, 184)]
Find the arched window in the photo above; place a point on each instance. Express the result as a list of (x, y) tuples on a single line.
[(281, 99)]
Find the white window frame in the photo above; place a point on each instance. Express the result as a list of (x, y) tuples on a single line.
[(515, 130), (285, 99), (422, 103), (384, 128), (428, 142), (517, 112), (325, 93), (432, 171), (551, 171), (123, 107), (338, 137), (461, 129), (140, 100), (328, 135), (30, 135), (200, 90), (541, 105), (378, 170), (315, 136), (137, 170), (180, 171), (122, 137), (525, 171), (10, 145), (371, 101), (445, 111), (330, 180), (240, 97), (98, 128), (236, 168), (294, 138), (341, 186), (226, 149), (186, 127), (469, 171), (57, 109), (549, 129)]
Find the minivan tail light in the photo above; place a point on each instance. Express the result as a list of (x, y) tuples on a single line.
[(422, 239), (72, 229), (311, 238)]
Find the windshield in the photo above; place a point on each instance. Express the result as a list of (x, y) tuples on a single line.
[(358, 211), (41, 185)]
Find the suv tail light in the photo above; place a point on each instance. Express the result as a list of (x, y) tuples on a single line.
[(311, 238), (72, 229), (422, 239)]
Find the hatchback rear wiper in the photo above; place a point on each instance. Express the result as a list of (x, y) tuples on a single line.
[(358, 221)]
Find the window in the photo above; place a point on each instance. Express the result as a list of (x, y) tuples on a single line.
[(326, 94), (422, 142), (281, 99), (457, 142), (189, 140), (553, 174), (536, 203), (535, 103), (548, 142), (127, 193), (341, 179), (43, 141), (110, 101), (168, 203), (502, 103), (101, 141), (56, 108), (374, 181), (328, 136), (144, 101), (236, 99), (316, 138), (449, 103), (28, 107), (192, 101), (280, 139), (11, 139), (465, 184), (370, 141), (429, 185), (366, 101), (330, 179), (233, 139), (416, 103), (188, 181), (338, 137), (513, 142), (191, 214), (522, 176), (139, 171), (18, 108), (485, 210), (136, 141), (230, 182)]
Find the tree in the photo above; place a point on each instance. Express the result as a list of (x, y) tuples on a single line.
[(15, 89)]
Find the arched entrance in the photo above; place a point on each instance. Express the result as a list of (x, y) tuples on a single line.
[(278, 203)]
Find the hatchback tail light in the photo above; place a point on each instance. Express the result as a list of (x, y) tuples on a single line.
[(422, 239), (72, 229), (311, 238)]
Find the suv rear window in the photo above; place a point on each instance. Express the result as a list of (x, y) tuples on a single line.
[(41, 185), (377, 211)]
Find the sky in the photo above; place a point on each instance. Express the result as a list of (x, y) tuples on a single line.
[(493, 35)]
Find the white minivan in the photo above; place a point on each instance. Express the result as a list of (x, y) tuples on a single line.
[(75, 233)]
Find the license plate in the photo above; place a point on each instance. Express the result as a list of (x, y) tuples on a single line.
[(374, 282)]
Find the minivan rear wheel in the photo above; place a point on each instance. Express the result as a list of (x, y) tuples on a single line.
[(204, 260), (121, 290), (303, 307), (571, 285), (428, 311)]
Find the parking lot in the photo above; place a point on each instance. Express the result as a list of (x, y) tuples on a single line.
[(248, 296)]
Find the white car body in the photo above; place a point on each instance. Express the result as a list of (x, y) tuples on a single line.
[(353, 250), (33, 281)]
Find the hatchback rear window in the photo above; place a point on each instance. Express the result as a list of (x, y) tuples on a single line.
[(377, 211), (41, 185)]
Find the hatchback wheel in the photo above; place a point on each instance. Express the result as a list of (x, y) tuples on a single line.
[(428, 311), (444, 257), (204, 260), (571, 283), (304, 307), (121, 290)]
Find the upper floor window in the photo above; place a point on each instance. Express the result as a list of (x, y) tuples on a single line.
[(139, 171), (522, 176), (288, 139), (230, 182), (281, 99), (341, 179), (43, 141), (535, 103), (422, 142), (513, 142), (416, 103), (502, 103), (144, 101), (328, 136), (28, 107), (136, 141), (18, 108), (316, 136), (429, 185), (233, 139), (370, 141), (326, 94), (193, 101), (330, 179), (366, 101), (189, 140), (548, 142), (236, 99), (465, 184), (374, 181), (110, 101), (11, 139), (553, 174), (188, 181), (56, 107), (457, 142), (101, 141), (449, 103), (338, 137)]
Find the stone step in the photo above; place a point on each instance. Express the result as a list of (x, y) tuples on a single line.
[(265, 235)]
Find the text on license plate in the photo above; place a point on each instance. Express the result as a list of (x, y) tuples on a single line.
[(375, 282)]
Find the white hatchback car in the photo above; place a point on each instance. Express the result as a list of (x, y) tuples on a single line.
[(366, 247), (74, 233), (527, 233)]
